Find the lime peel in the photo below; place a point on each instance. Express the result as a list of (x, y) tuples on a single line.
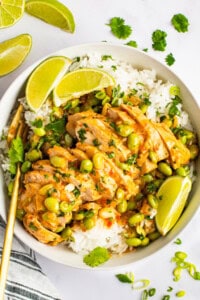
[(43, 80), (173, 195)]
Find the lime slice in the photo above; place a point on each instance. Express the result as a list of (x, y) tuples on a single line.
[(13, 52), (10, 12), (52, 12), (80, 82), (173, 195), (43, 80)]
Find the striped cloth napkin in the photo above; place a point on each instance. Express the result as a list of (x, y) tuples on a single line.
[(25, 280)]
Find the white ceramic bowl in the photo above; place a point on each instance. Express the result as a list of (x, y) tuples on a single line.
[(140, 60)]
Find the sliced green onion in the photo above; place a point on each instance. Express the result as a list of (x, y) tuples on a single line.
[(178, 241), (145, 295), (152, 292), (140, 284)]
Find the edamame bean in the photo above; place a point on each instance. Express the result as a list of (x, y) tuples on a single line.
[(33, 155), (45, 188), (165, 169), (133, 242), (143, 108), (57, 161), (25, 166), (153, 157), (133, 141), (78, 216), (39, 131), (124, 130), (68, 140), (145, 241), (180, 294), (136, 218), (152, 200), (131, 205), (98, 161), (122, 207), (65, 207), (182, 171), (10, 188), (20, 213), (66, 233), (89, 223), (120, 194), (86, 166), (194, 151), (154, 235), (147, 178), (52, 204)]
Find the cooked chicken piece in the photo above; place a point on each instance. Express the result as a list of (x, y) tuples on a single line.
[(60, 151), (79, 154), (34, 227), (179, 154), (73, 119), (99, 130), (40, 177), (153, 140), (116, 113), (43, 165)]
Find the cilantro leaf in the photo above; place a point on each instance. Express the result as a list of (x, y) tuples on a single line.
[(159, 40), (119, 29), (132, 44), (15, 154), (57, 126), (170, 60), (180, 22), (96, 257), (125, 278)]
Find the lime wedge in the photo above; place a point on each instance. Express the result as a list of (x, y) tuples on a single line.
[(43, 80), (52, 12), (10, 12), (173, 195), (13, 52), (80, 82)]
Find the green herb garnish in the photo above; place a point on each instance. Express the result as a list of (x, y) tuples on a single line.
[(159, 40), (81, 134), (15, 154), (132, 159), (96, 257), (132, 44), (37, 123), (119, 29), (57, 126), (106, 57), (178, 241), (170, 60), (126, 278), (180, 22), (76, 192)]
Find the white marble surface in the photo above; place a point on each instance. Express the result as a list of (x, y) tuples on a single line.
[(144, 16)]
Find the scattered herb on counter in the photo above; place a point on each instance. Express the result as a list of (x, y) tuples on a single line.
[(96, 257), (119, 28), (170, 60), (159, 40), (178, 241), (132, 44), (126, 278), (180, 23)]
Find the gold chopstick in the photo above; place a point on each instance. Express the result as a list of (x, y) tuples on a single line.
[(9, 232)]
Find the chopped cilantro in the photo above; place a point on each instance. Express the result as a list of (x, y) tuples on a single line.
[(132, 44), (106, 57), (57, 126), (126, 278), (81, 134), (32, 226), (132, 159), (145, 49), (112, 143), (178, 241), (96, 257), (170, 289), (114, 67), (159, 40), (170, 60), (76, 192), (119, 29), (96, 143), (15, 154), (37, 123), (111, 154), (180, 22)]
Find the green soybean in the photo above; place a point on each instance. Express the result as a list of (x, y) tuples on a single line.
[(147, 178), (194, 150), (89, 223), (133, 141), (20, 213), (124, 130), (25, 166), (65, 207), (58, 161), (182, 171), (153, 157), (68, 140), (136, 218), (66, 233), (152, 200), (145, 242), (165, 169), (134, 242), (33, 155), (52, 204), (86, 166), (120, 194), (122, 206), (39, 131)]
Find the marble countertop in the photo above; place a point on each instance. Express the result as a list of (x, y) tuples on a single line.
[(144, 16)]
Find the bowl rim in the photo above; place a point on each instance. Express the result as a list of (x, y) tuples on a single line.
[(156, 245)]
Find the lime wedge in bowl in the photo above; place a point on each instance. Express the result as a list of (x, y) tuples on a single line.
[(43, 80), (173, 195), (52, 12), (80, 82), (13, 52), (10, 12)]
